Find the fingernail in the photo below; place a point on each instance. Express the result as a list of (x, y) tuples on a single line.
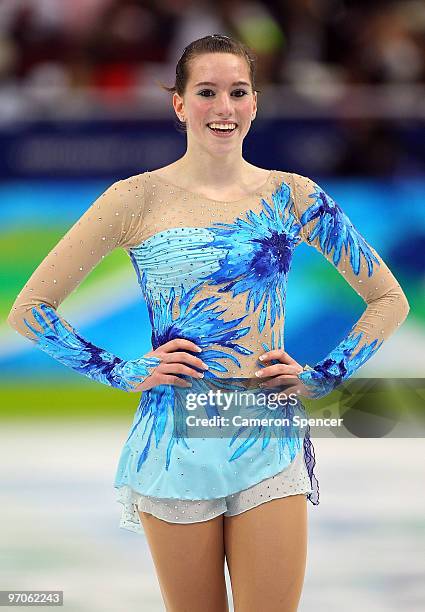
[(261, 357), (198, 348), (258, 373)]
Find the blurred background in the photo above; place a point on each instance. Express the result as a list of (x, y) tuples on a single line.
[(342, 100)]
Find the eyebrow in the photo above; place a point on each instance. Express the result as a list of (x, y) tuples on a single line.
[(210, 83)]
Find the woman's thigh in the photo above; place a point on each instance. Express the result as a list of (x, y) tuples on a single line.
[(266, 550), (189, 562)]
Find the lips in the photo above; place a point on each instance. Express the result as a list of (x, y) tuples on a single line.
[(222, 132)]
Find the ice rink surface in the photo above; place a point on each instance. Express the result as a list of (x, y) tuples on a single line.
[(60, 520)]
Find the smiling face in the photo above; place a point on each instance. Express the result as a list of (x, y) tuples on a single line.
[(218, 91)]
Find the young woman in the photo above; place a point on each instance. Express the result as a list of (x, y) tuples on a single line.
[(211, 238)]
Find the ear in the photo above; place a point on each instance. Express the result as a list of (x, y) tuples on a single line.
[(254, 109), (178, 105)]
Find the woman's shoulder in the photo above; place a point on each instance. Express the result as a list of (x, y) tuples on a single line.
[(301, 185), (145, 179), (132, 179), (294, 176)]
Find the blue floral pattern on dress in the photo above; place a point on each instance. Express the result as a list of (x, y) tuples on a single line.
[(201, 324), (74, 351), (336, 231), (288, 436), (257, 254), (338, 365)]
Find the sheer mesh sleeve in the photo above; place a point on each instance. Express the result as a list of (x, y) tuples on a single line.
[(111, 221), (327, 228)]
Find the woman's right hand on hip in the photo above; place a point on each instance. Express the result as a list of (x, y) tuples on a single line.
[(174, 360)]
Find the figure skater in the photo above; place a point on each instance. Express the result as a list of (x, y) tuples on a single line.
[(211, 238)]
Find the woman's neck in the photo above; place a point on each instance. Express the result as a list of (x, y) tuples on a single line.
[(210, 172)]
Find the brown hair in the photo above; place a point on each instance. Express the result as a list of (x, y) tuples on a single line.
[(214, 43)]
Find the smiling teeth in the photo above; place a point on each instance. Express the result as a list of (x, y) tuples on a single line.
[(222, 126)]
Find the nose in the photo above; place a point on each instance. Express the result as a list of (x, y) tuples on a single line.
[(223, 105)]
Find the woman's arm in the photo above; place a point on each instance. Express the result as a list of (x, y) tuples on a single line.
[(112, 221), (328, 229)]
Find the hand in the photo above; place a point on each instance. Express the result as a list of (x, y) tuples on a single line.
[(283, 373), (173, 362)]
